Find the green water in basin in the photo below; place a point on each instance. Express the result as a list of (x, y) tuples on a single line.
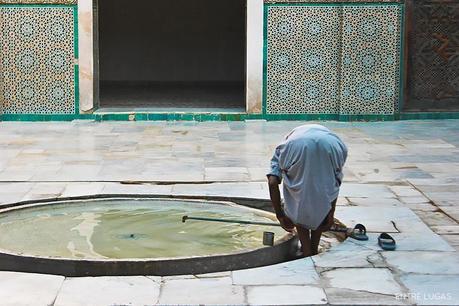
[(122, 229)]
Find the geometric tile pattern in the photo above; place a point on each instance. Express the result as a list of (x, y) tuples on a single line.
[(38, 60), (38, 1), (302, 62), (332, 59), (370, 60)]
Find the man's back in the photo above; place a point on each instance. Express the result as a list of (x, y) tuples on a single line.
[(311, 160)]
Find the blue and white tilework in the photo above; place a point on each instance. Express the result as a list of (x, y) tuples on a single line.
[(370, 60), (302, 61), (37, 63), (332, 59)]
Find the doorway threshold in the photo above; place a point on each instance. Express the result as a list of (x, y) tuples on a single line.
[(155, 110)]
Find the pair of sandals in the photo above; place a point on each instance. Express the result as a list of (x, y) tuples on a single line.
[(359, 232)]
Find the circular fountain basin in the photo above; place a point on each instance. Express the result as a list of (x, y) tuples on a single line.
[(136, 237)]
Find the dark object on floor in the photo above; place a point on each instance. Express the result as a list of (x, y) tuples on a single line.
[(386, 242), (359, 232)]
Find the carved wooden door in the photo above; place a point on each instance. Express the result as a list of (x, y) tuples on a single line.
[(432, 55)]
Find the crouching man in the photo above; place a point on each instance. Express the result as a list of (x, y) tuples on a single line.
[(310, 163)]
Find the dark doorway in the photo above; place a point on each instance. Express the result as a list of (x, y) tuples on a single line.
[(433, 55), (172, 54)]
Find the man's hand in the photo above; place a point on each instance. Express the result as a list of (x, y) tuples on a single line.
[(286, 223)]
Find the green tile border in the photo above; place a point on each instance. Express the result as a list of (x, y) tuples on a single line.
[(227, 117), (75, 32), (429, 115)]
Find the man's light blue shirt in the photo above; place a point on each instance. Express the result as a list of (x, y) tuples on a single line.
[(310, 162)]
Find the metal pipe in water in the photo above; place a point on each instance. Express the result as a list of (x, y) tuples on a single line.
[(184, 218)]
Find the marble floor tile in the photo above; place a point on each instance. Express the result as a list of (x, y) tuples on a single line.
[(453, 240), (375, 202), (345, 259), (144, 189), (15, 176), (298, 272), (425, 262), (372, 280), (405, 191), (227, 174), (285, 295), (451, 211), (82, 189), (432, 289), (446, 229), (210, 291), (258, 174), (7, 188), (9, 198), (414, 200), (236, 189), (436, 218), (410, 241), (355, 190), (338, 296), (78, 173), (376, 220), (423, 207), (47, 188), (28, 288), (127, 290)]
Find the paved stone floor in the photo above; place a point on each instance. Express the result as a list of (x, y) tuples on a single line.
[(401, 177)]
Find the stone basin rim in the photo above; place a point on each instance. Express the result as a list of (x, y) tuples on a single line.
[(283, 250)]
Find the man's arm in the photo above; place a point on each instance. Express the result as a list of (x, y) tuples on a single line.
[(274, 192)]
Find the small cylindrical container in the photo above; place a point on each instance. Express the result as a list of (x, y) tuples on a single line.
[(268, 238)]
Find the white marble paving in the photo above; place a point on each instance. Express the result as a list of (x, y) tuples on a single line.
[(345, 259), (372, 201), (403, 173), (285, 295), (432, 289), (80, 189), (210, 291), (373, 280), (446, 229), (95, 291), (28, 289), (424, 262), (376, 220), (405, 242), (338, 296), (143, 189), (405, 191), (423, 241), (299, 272)]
